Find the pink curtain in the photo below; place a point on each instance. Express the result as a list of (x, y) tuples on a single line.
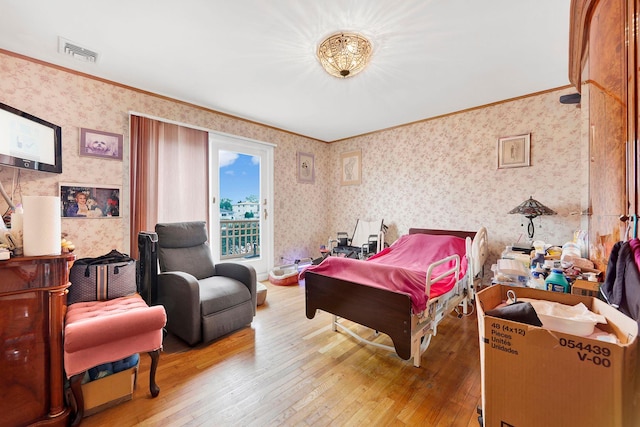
[(169, 175)]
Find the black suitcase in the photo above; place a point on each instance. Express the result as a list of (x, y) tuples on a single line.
[(147, 274)]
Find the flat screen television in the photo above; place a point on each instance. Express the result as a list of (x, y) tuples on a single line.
[(29, 142)]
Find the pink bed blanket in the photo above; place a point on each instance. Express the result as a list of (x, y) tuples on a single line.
[(402, 267)]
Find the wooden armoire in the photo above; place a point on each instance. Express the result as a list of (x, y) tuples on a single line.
[(603, 66)]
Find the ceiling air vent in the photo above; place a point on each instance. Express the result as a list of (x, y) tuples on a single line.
[(71, 49)]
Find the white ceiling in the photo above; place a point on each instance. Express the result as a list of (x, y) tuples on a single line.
[(255, 59)]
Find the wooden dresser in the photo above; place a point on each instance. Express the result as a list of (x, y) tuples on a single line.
[(32, 303)]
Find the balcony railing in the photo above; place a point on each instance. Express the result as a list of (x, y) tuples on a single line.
[(239, 238)]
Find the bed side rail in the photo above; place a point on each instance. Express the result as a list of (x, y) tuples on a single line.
[(453, 270), (479, 251)]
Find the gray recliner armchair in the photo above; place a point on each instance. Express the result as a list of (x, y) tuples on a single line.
[(203, 301)]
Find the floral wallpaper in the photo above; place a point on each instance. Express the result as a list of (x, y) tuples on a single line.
[(443, 173), (439, 173)]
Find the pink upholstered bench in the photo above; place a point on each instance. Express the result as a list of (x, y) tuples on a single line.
[(99, 332)]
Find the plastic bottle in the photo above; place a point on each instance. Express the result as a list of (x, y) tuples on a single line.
[(538, 259), (537, 281), (556, 281)]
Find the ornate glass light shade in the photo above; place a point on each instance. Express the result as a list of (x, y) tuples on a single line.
[(531, 208), (344, 54)]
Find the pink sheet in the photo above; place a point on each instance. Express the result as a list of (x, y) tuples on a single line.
[(402, 267)]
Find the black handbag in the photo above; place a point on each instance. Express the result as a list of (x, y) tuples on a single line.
[(105, 277)]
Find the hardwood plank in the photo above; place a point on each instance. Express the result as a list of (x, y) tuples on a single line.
[(288, 370)]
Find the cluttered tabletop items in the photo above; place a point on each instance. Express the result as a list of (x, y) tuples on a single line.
[(548, 267)]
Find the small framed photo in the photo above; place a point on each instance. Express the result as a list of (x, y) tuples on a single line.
[(351, 168), (306, 168), (96, 143), (514, 151), (89, 201)]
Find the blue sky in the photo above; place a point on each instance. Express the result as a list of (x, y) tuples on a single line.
[(239, 176)]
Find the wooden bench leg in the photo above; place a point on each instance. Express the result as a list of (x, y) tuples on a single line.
[(76, 390), (153, 387)]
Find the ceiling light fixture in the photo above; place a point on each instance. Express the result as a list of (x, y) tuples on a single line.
[(344, 54)]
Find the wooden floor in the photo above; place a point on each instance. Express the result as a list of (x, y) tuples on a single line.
[(288, 370)]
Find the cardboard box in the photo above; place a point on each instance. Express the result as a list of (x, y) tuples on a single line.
[(586, 288), (108, 391), (535, 377)]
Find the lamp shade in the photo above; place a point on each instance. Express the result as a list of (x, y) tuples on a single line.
[(532, 208)]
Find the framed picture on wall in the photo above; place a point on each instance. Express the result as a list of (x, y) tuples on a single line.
[(306, 168), (351, 168), (96, 143), (514, 151), (89, 201)]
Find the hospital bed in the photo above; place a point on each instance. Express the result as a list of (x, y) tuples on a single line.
[(404, 291)]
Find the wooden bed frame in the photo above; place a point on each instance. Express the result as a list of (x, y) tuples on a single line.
[(388, 311)]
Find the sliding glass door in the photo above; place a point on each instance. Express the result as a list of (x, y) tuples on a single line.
[(241, 186)]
